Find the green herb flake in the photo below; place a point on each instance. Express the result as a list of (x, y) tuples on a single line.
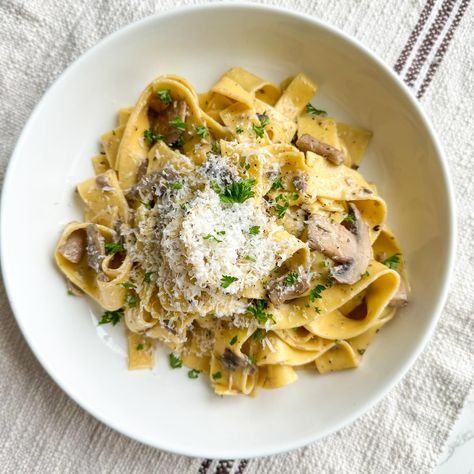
[(236, 192), (252, 359), (317, 309), (249, 258), (193, 373), (294, 196), (393, 261), (361, 351), (175, 361), (178, 124), (177, 144), (259, 129), (239, 130), (203, 132), (151, 138), (258, 335), (365, 274), (349, 219), (257, 309), (128, 285), (176, 185), (281, 209), (146, 204), (227, 280), (254, 230), (111, 317), (164, 96), (212, 238), (147, 277), (315, 293), (310, 109), (291, 279), (131, 300), (278, 183), (113, 247), (215, 148), (217, 375), (140, 347), (233, 340)]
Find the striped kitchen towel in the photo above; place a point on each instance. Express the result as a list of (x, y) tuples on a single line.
[(430, 44)]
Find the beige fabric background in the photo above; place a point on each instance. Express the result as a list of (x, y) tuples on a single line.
[(41, 430)]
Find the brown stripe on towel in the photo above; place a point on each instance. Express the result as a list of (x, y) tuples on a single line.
[(204, 466), (425, 13), (429, 41), (224, 467), (442, 49), (242, 466)]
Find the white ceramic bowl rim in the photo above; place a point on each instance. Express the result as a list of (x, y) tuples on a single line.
[(451, 210)]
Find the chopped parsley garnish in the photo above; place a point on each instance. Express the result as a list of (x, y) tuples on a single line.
[(194, 373), (227, 280), (211, 238), (315, 293), (220, 232), (329, 281), (259, 129), (164, 96), (349, 219), (176, 185), (257, 309), (236, 192), (258, 335), (131, 300), (294, 196), (203, 132), (278, 183), (217, 375), (140, 347), (366, 274), (183, 206), (146, 204), (178, 123), (178, 143), (281, 209), (318, 310), (175, 361), (291, 279), (361, 351), (393, 261), (215, 148), (113, 247), (151, 138), (254, 230), (128, 285), (252, 359), (249, 258), (310, 109), (233, 340), (239, 130), (111, 317), (147, 277)]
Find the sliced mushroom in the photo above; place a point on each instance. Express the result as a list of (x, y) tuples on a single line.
[(279, 290), (153, 184), (400, 298), (103, 183), (74, 247), (347, 244), (232, 362), (299, 182), (359, 312), (95, 247), (160, 121), (307, 142), (142, 169)]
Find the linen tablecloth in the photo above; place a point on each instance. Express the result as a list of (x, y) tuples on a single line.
[(431, 45)]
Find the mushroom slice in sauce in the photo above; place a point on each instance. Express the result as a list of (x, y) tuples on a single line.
[(400, 298), (299, 182), (95, 247), (307, 142), (153, 184), (279, 291), (103, 183), (231, 361), (348, 246), (160, 121), (73, 248)]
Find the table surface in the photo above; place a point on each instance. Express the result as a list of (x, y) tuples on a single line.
[(458, 455)]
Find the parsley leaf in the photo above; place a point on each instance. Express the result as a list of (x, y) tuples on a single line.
[(140, 347), (211, 238), (366, 274), (281, 210), (111, 317), (259, 129), (349, 219), (254, 230), (164, 96), (393, 261), (146, 204), (258, 335), (278, 183), (249, 258), (178, 123), (177, 144), (257, 309), (227, 280), (291, 279), (236, 192), (233, 340), (294, 196), (317, 310), (217, 375), (113, 247), (252, 359), (315, 293), (203, 132), (147, 277), (151, 138), (215, 148), (194, 373), (131, 300), (175, 361), (128, 285), (313, 111), (361, 351), (239, 130), (176, 185)]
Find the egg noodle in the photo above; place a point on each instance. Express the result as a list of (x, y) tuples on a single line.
[(234, 227)]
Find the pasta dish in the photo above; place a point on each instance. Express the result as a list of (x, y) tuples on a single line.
[(233, 227)]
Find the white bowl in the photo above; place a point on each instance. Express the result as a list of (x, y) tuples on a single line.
[(164, 408)]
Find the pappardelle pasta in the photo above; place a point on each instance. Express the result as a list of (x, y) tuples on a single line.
[(234, 227)]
